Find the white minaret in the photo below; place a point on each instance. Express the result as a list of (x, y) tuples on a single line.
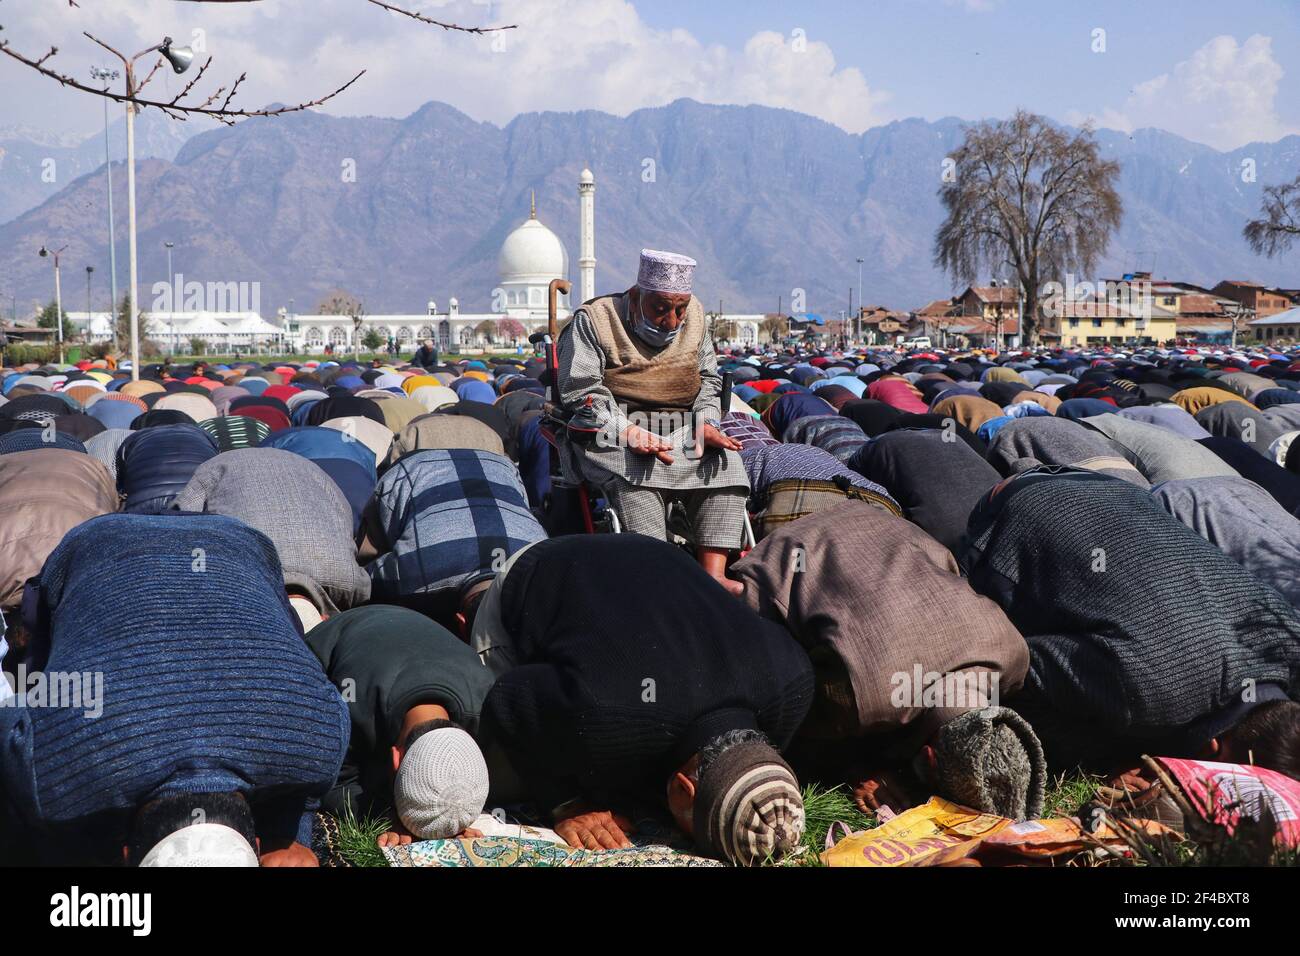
[(586, 236)]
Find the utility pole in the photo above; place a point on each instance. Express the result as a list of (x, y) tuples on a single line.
[(109, 76), (180, 59), (171, 283), (58, 295), (859, 321)]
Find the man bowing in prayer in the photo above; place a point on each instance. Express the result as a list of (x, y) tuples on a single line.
[(642, 362)]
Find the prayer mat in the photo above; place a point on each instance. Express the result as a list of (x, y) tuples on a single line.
[(325, 840), (510, 851)]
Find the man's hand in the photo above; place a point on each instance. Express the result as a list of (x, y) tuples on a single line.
[(395, 837), (1134, 780), (707, 436), (647, 443), (599, 830), (295, 854), (884, 789)]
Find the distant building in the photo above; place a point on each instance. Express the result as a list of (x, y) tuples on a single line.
[(988, 315), (881, 326), (1260, 300), (173, 331), (1280, 327), (1198, 314), (1097, 321)]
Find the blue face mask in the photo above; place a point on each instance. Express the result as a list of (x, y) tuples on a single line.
[(649, 333)]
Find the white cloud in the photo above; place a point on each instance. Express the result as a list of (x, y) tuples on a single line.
[(1223, 95), (565, 55)]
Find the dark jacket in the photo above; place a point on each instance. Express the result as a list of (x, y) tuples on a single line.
[(206, 687), (1138, 628), (629, 659), (384, 661), (936, 478), (155, 464)]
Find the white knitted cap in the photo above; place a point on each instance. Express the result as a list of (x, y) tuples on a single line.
[(306, 611), (441, 785), (665, 272), (202, 844)]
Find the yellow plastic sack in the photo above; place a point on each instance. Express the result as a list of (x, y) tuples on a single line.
[(934, 833)]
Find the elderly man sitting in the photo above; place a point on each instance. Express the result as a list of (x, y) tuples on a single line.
[(642, 362)]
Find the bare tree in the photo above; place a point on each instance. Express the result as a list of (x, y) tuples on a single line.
[(1241, 317), (725, 330), (775, 327), (1027, 194), (1279, 222), (340, 302)]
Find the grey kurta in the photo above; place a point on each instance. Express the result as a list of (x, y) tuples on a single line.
[(582, 363)]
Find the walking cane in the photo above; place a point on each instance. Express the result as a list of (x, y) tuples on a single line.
[(553, 333)]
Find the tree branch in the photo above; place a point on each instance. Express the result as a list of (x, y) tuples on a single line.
[(438, 23), (190, 85), (222, 114)]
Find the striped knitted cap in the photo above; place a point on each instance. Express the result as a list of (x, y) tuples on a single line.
[(747, 806)]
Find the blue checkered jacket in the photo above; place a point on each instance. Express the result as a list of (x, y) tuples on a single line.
[(447, 517)]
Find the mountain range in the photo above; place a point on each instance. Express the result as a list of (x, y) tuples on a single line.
[(401, 211), (36, 165)]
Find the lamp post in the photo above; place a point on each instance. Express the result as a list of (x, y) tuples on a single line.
[(58, 295), (171, 282), (859, 319), (108, 76), (356, 337), (180, 59), (90, 270)]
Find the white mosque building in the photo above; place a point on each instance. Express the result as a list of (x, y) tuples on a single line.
[(530, 258)]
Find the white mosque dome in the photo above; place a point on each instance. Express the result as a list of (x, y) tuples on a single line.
[(532, 253)]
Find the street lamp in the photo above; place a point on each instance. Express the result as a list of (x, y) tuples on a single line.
[(108, 76), (180, 59), (90, 270), (58, 295)]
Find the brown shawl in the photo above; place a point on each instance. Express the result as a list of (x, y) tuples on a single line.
[(637, 374)]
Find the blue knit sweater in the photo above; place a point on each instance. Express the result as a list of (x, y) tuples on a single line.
[(207, 684)]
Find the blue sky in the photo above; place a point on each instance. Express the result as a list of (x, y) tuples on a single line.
[(1218, 73), (950, 58)]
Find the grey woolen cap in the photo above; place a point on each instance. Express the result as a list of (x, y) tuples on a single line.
[(990, 760)]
